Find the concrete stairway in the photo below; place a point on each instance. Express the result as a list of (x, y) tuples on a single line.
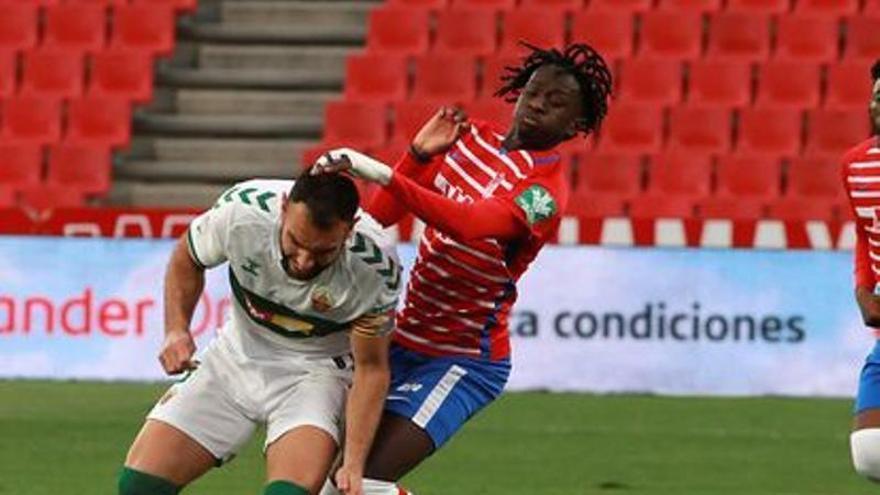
[(242, 97)]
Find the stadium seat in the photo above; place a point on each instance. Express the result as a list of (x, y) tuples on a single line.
[(397, 30), (739, 36), (375, 77), (100, 121), (491, 109), (828, 8), (801, 209), (833, 132), (587, 204), (806, 38), (759, 6), (8, 73), (788, 84), (661, 206), (862, 39), (700, 129), (691, 5), (18, 26), (445, 79), (814, 176), (610, 174), (631, 6), (632, 128), (53, 73), (20, 164), (7, 197), (147, 27), (871, 9), (770, 130), (650, 81), (76, 26), (538, 26), (671, 34), (354, 124), (122, 73), (727, 208), (749, 176), (563, 5), (610, 33), (720, 83), (493, 70), (497, 5), (86, 168), (409, 117), (849, 85), (32, 119), (467, 32), (44, 197), (680, 173)]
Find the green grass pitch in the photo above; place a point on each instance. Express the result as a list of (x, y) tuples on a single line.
[(70, 438)]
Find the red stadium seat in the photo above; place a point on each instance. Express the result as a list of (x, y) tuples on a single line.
[(564, 5), (85, 168), (680, 173), (445, 79), (727, 208), (409, 117), (53, 73), (99, 121), (375, 77), (650, 81), (18, 26), (720, 83), (849, 85), (20, 164), (692, 5), (672, 34), (354, 124), (147, 27), (538, 26), (801, 209), (770, 130), (493, 70), (588, 204), (758, 6), (739, 36), (862, 39), (7, 197), (397, 30), (494, 110), (76, 26), (700, 129), (828, 8), (467, 32), (631, 6), (610, 173), (784, 84), (835, 131), (806, 38), (610, 33), (32, 119), (661, 206), (815, 176), (122, 73), (487, 4), (871, 9), (44, 197), (632, 128), (8, 73), (752, 176)]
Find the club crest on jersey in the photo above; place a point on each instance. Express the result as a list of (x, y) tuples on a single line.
[(322, 301), (537, 203)]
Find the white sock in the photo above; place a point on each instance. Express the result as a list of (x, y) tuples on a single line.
[(379, 487), (329, 489)]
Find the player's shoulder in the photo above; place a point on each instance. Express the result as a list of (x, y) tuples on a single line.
[(863, 150), (373, 254), (254, 200)]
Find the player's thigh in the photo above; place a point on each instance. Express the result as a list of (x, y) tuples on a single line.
[(164, 451), (303, 456)]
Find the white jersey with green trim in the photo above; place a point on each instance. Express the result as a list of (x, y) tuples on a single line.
[(273, 311)]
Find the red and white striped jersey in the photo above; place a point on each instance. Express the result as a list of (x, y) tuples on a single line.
[(461, 292), (861, 178)]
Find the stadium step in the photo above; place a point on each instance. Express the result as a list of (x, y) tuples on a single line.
[(168, 194), (238, 102), (275, 57), (297, 13), (193, 171), (228, 125), (294, 79), (242, 33), (226, 150)]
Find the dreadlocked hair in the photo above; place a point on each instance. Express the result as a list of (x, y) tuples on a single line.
[(578, 59), (875, 70)]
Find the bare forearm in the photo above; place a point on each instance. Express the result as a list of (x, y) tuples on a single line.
[(364, 408), (184, 282)]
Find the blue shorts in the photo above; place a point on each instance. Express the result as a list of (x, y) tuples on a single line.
[(869, 382), (439, 394)]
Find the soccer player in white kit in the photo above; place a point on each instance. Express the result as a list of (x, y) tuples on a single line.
[(315, 284)]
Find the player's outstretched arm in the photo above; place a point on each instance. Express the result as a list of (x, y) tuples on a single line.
[(184, 281), (369, 341)]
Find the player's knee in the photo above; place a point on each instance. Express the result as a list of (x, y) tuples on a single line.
[(280, 487), (134, 482), (379, 487), (865, 447)]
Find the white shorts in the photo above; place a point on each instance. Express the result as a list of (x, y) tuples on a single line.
[(222, 402)]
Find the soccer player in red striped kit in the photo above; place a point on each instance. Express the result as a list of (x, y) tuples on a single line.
[(490, 199), (861, 180)]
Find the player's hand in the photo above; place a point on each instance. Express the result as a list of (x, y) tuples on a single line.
[(355, 163), (177, 352), (349, 481), (440, 132)]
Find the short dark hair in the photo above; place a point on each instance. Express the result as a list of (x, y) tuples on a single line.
[(330, 198), (875, 70), (580, 60)]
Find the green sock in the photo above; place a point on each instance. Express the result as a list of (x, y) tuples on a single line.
[(134, 482), (279, 487)]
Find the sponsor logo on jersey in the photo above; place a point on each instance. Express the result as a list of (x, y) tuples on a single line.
[(537, 203)]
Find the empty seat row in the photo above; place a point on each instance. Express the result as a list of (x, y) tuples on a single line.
[(81, 167), (89, 121)]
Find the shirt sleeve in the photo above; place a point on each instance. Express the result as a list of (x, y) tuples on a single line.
[(384, 206), (207, 235), (862, 271), (536, 202)]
